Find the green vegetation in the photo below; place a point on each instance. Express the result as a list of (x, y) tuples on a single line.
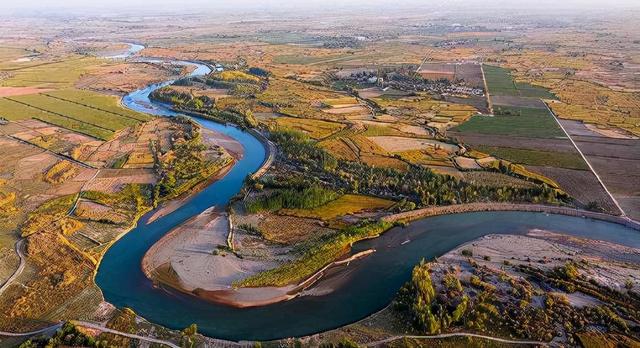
[(315, 258), (95, 117), (514, 121), (49, 74), (419, 184), (307, 198), (204, 106), (15, 111), (418, 297), (500, 82), (67, 336), (51, 214), (132, 201), (346, 204), (185, 165), (106, 103), (237, 76), (570, 160)]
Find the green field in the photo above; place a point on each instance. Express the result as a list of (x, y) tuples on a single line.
[(56, 74), (515, 121), (100, 101), (570, 160), (500, 82), (85, 112)]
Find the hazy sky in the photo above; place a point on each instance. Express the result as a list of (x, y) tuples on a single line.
[(47, 5)]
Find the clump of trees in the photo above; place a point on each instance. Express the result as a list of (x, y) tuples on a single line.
[(67, 336), (306, 198), (182, 100), (419, 299)]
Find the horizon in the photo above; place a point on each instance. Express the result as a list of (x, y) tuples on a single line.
[(79, 6)]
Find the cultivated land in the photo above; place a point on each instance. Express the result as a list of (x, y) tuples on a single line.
[(371, 115), (524, 131)]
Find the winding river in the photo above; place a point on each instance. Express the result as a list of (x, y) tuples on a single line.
[(361, 289)]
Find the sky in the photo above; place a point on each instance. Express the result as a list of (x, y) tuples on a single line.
[(54, 5)]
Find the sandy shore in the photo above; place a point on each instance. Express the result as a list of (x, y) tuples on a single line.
[(194, 258), (182, 260)]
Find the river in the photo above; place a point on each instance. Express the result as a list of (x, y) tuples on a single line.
[(361, 289)]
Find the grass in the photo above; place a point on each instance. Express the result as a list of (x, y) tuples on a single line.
[(515, 121), (346, 204), (340, 101), (570, 160), (314, 259)]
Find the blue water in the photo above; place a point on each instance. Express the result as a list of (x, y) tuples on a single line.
[(133, 49), (365, 287)]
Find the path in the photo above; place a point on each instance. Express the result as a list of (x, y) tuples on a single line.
[(459, 334), (486, 90), (20, 252), (623, 214)]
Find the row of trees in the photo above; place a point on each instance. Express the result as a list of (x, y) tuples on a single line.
[(418, 184)]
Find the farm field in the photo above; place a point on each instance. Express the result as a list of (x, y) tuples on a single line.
[(514, 121), (569, 160), (617, 162), (64, 238), (523, 131), (85, 112), (367, 112), (501, 83)]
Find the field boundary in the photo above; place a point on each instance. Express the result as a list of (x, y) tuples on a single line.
[(61, 115), (92, 107), (486, 89), (615, 201)]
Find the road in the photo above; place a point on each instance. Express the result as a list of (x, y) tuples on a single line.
[(459, 334), (120, 333), (32, 333), (20, 252)]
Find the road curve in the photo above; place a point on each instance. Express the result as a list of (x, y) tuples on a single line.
[(20, 252), (120, 333), (31, 333)]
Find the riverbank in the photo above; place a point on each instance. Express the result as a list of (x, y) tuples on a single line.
[(417, 214), (219, 289), (504, 263)]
